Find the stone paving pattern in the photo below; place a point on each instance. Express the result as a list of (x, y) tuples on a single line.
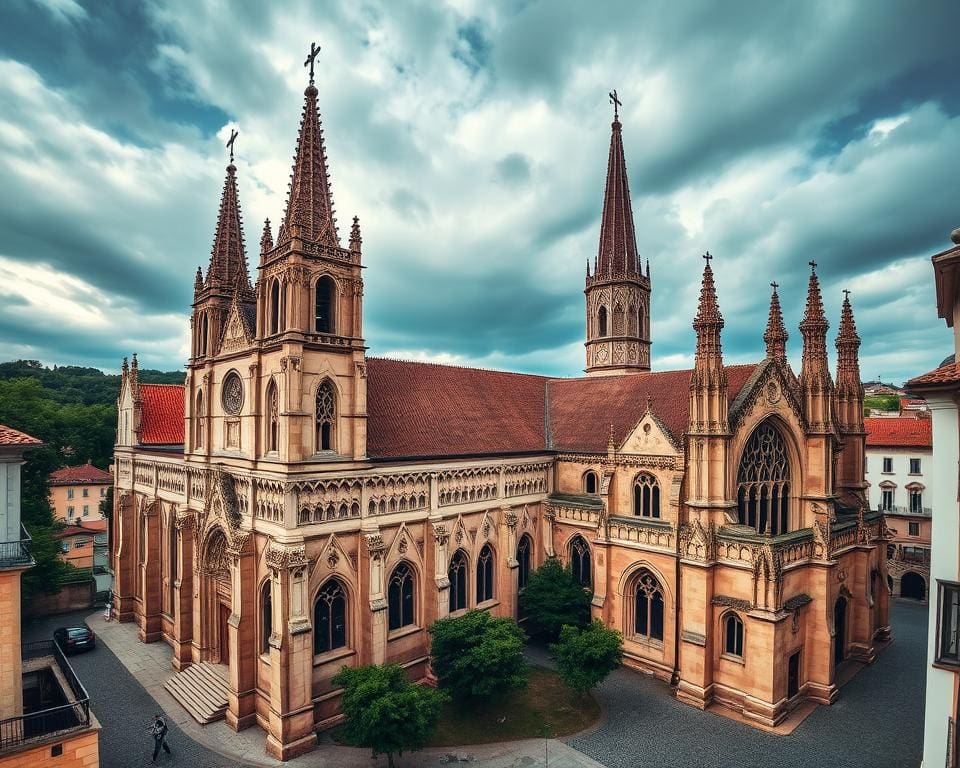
[(876, 723)]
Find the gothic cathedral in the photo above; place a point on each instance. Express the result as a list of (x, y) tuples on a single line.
[(297, 506)]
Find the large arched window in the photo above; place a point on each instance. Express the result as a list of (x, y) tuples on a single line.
[(580, 561), (648, 607), (326, 416), (763, 482), (326, 292), (646, 496), (602, 322), (266, 615), (485, 574), (400, 597), (732, 634), (273, 417), (200, 421), (330, 618), (524, 552), (457, 574), (275, 306), (590, 482)]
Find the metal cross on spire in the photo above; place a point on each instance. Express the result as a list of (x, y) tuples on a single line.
[(707, 256), (616, 104), (774, 285), (233, 138), (846, 294), (308, 62), (813, 265)]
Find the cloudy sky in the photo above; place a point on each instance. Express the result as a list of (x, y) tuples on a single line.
[(471, 138)]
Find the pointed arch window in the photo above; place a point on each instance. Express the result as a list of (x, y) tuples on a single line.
[(204, 333), (580, 561), (732, 635), (590, 482), (326, 292), (457, 574), (646, 496), (330, 618), (400, 597), (524, 553), (485, 575), (641, 323), (172, 567), (266, 615), (618, 329), (200, 421), (273, 417), (602, 322), (326, 416), (648, 607), (275, 306), (763, 482)]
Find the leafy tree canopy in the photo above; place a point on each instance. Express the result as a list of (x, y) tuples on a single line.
[(476, 655), (553, 598), (586, 656), (383, 710)]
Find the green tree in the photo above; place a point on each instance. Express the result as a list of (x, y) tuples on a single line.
[(477, 655), (383, 710), (586, 656), (553, 598)]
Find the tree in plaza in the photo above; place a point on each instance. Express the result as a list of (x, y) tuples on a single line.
[(586, 656), (383, 710), (477, 655), (552, 599)]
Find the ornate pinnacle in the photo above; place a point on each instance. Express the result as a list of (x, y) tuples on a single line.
[(266, 239), (708, 312), (198, 282), (775, 336), (355, 239), (848, 342), (228, 258), (617, 252), (125, 368)]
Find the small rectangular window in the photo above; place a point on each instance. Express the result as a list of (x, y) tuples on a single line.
[(86, 510), (69, 511), (948, 623), (69, 493), (86, 493), (914, 529), (914, 466), (887, 464), (886, 500)]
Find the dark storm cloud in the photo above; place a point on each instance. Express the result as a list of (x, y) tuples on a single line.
[(513, 169)]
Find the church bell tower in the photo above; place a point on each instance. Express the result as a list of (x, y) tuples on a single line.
[(618, 292)]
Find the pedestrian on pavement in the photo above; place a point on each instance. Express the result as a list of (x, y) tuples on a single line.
[(159, 732)]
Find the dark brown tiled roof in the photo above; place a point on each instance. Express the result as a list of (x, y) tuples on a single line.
[(84, 473), (162, 420), (11, 436)]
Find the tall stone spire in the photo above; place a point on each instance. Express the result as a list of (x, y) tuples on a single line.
[(708, 381), (617, 253), (618, 293), (309, 215), (815, 378), (775, 337), (228, 258), (709, 322), (849, 387)]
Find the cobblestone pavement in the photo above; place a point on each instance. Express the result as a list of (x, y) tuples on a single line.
[(877, 721)]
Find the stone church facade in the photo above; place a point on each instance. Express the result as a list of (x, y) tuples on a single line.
[(297, 506)]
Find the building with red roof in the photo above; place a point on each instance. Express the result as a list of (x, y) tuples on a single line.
[(297, 505), (76, 492)]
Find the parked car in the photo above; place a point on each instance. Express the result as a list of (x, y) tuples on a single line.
[(75, 639)]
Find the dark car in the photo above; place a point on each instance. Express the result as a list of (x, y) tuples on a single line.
[(74, 639)]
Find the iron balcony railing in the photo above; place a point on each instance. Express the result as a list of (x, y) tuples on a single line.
[(16, 553), (898, 510), (72, 716)]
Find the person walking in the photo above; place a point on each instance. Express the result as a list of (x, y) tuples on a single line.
[(159, 732)]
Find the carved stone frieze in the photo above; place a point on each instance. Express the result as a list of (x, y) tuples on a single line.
[(286, 556)]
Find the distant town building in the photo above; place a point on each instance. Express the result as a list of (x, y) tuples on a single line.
[(84, 544), (941, 388), (36, 681), (914, 407), (76, 492), (899, 462)]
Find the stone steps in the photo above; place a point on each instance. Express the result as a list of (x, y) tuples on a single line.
[(202, 690)]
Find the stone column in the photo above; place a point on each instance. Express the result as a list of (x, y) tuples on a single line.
[(182, 609), (441, 537), (290, 720), (508, 546), (242, 696), (124, 556), (150, 621), (696, 642), (376, 551)]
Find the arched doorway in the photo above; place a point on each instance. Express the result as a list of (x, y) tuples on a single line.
[(217, 596), (840, 629), (913, 586)]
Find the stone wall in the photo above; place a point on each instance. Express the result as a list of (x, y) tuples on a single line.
[(71, 597)]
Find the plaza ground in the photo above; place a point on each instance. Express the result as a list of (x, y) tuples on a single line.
[(877, 722)]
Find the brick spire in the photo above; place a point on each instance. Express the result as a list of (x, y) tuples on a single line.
[(848, 346), (708, 322), (309, 214), (813, 328), (775, 336), (617, 254), (228, 258)]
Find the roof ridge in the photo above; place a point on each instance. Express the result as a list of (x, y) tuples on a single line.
[(460, 367)]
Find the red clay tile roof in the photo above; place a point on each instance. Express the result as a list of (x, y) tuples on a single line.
[(944, 375), (92, 527), (899, 432), (582, 410), (162, 420), (83, 474), (11, 436), (426, 409)]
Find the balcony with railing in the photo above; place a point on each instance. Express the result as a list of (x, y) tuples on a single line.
[(894, 509), (55, 703), (16, 554)]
